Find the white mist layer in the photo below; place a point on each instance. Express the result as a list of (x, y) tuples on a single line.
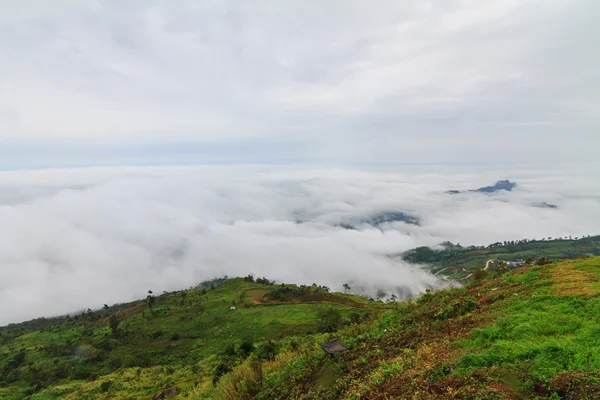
[(72, 239)]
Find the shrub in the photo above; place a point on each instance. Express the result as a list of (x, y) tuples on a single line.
[(229, 350), (104, 386), (115, 362), (355, 318), (267, 351), (137, 360), (479, 275), (330, 320), (221, 370), (246, 348), (245, 382), (543, 261), (157, 334)]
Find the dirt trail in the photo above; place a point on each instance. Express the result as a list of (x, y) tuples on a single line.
[(487, 263)]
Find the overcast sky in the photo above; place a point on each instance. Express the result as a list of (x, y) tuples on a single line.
[(87, 82)]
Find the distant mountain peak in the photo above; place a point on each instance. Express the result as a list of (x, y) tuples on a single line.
[(504, 184)]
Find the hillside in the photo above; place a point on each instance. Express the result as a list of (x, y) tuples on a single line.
[(456, 262), (530, 333), (175, 338)]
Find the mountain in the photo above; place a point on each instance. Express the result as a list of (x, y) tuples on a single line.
[(528, 333), (380, 218), (500, 185), (457, 262), (543, 204)]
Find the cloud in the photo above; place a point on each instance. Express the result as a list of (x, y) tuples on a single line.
[(110, 82), (78, 238)]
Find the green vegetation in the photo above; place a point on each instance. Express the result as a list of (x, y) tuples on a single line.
[(456, 261), (181, 339), (529, 333)]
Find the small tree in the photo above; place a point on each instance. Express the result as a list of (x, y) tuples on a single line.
[(346, 287), (393, 297), (114, 325), (478, 275), (502, 267), (150, 300)]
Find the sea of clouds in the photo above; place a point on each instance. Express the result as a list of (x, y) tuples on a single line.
[(78, 238)]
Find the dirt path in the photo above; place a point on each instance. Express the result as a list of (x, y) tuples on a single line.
[(487, 263)]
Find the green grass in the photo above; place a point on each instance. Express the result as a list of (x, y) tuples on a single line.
[(522, 334), (531, 333), (180, 333)]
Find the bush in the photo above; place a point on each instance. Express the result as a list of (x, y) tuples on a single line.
[(229, 350), (175, 337), (115, 362), (221, 370), (137, 360), (82, 373), (543, 261), (267, 351), (355, 318), (157, 334), (479, 275), (246, 348), (330, 320), (104, 386), (62, 371), (245, 382)]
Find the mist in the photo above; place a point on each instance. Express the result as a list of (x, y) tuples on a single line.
[(77, 238)]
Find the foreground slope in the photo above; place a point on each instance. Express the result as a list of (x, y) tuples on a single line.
[(532, 333), (173, 340)]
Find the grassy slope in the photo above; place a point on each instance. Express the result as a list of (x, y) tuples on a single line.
[(532, 333), (204, 324), (476, 258)]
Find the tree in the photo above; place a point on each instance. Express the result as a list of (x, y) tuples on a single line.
[(502, 268), (114, 325), (478, 275), (346, 287), (393, 297), (183, 296), (106, 307), (150, 300)]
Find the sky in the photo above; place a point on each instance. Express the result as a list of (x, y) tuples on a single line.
[(343, 83), (155, 144)]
